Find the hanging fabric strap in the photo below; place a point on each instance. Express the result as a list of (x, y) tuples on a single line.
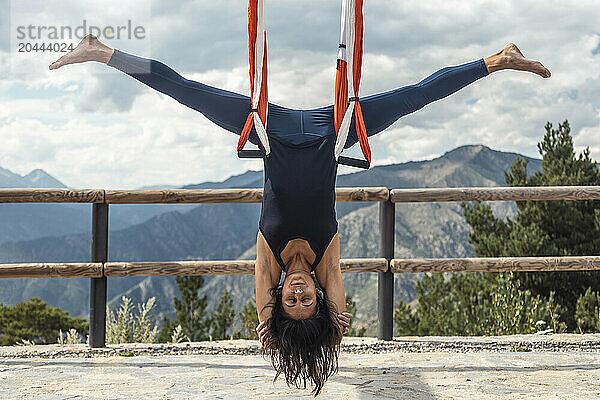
[(257, 49), (349, 66)]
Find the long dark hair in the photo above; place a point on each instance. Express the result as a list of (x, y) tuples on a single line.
[(303, 350)]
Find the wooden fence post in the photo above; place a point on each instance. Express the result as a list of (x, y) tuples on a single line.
[(98, 285), (385, 282)]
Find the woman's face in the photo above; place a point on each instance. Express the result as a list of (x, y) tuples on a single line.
[(299, 295)]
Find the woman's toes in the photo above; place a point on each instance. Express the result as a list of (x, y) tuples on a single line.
[(547, 73), (541, 70), (56, 64)]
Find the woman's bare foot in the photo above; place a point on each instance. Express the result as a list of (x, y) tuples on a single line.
[(510, 57), (89, 49)]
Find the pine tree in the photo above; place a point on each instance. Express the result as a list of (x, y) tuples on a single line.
[(249, 318), (588, 312), (546, 228), (351, 308), (166, 331), (490, 303), (36, 321), (222, 319), (404, 320), (191, 310)]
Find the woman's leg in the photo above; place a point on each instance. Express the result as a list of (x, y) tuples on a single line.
[(227, 109), (382, 110)]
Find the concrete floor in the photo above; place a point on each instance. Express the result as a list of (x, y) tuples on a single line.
[(393, 375)]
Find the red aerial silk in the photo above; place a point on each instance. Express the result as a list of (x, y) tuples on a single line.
[(254, 23), (341, 93), (341, 78)]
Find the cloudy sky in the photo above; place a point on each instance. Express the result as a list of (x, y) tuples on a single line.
[(90, 125)]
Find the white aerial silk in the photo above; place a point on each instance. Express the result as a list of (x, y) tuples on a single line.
[(346, 54), (258, 76), (261, 130)]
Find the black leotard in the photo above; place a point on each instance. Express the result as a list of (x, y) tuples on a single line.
[(299, 195)]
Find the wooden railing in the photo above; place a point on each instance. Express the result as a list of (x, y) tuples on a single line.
[(161, 268), (99, 269)]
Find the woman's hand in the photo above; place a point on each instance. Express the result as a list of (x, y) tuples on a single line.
[(344, 319), (261, 330)]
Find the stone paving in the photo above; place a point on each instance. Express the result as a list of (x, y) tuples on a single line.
[(226, 371)]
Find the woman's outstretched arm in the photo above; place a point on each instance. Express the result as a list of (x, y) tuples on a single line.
[(226, 109), (267, 274), (329, 276), (383, 109)]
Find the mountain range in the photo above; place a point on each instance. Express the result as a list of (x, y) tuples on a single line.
[(61, 233)]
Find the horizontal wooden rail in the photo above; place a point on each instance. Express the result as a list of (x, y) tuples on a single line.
[(242, 267), (228, 195), (37, 195), (172, 268), (579, 263), (495, 193), (51, 270), (142, 196), (45, 195), (184, 196), (362, 194), (246, 267)]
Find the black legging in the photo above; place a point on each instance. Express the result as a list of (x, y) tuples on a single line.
[(229, 110)]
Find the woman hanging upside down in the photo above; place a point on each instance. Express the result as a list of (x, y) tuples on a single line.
[(301, 320)]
